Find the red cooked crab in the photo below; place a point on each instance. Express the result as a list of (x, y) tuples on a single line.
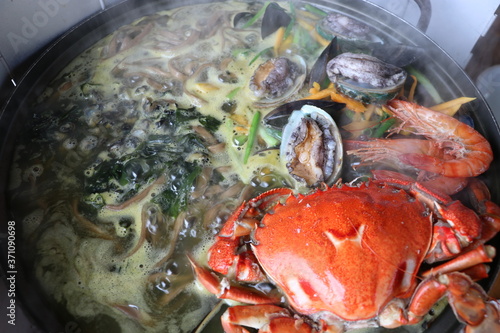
[(350, 256)]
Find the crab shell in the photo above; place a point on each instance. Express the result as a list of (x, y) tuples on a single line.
[(347, 250)]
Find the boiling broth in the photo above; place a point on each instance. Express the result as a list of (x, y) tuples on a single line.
[(138, 152)]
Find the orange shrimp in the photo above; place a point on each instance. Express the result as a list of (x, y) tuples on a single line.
[(452, 148)]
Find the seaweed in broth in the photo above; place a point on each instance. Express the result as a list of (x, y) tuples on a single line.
[(136, 157)]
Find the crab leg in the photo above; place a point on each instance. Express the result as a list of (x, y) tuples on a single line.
[(488, 210), (225, 258), (287, 325), (489, 217), (460, 226), (471, 304), (237, 293), (437, 183), (477, 272), (468, 300), (266, 318), (226, 254), (427, 294), (479, 255), (462, 220)]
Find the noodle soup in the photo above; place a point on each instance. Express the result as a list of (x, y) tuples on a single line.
[(140, 149)]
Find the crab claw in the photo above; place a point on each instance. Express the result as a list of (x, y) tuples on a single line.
[(224, 290), (489, 212), (266, 318), (471, 304), (227, 255)]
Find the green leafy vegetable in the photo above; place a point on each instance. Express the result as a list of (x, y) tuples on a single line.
[(173, 119), (210, 123), (92, 204), (175, 197), (159, 154)]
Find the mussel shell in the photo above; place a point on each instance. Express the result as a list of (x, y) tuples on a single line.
[(332, 142), (274, 18), (318, 70), (240, 19), (363, 68)]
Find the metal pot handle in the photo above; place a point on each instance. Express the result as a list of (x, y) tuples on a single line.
[(425, 14)]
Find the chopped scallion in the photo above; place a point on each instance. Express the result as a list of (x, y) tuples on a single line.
[(315, 10), (233, 93), (383, 127), (252, 133), (292, 22), (259, 54), (257, 16), (270, 136), (426, 83)]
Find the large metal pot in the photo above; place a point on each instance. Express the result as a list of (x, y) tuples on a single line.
[(436, 64)]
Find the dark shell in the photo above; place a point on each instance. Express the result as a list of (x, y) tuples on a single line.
[(240, 19), (318, 71), (274, 18)]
